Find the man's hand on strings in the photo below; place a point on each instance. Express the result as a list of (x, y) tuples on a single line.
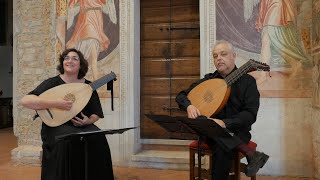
[(193, 112)]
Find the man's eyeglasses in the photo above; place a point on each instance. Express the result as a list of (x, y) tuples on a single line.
[(73, 58)]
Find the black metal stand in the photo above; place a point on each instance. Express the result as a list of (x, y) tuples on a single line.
[(83, 137), (199, 157), (202, 127)]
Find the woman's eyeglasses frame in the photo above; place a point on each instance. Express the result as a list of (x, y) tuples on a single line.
[(73, 58)]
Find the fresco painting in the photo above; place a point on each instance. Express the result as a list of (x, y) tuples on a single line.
[(275, 32), (91, 26), (281, 33), (315, 51)]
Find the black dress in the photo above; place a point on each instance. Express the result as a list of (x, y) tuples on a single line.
[(64, 160)]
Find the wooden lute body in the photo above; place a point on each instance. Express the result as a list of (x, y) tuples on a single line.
[(79, 93), (211, 95)]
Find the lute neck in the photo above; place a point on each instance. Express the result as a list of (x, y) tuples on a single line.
[(103, 80), (235, 75)]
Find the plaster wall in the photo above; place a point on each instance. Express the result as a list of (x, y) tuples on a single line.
[(287, 128)]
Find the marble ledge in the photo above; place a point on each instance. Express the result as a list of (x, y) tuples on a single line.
[(27, 155), (178, 160)]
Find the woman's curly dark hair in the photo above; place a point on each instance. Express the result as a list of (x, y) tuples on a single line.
[(83, 62)]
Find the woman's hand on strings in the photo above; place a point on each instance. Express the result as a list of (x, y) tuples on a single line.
[(78, 122), (64, 104)]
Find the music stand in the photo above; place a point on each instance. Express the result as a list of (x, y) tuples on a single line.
[(83, 137), (203, 128)]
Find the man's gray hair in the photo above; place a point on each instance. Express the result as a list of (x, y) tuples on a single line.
[(218, 42)]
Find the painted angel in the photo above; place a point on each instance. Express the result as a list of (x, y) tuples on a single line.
[(88, 35), (277, 22)]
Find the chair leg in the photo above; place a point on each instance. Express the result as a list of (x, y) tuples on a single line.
[(236, 163), (210, 166), (192, 163)]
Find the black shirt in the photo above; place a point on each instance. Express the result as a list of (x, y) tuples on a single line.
[(241, 109)]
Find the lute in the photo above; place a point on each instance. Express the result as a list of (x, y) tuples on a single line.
[(79, 93), (211, 95)]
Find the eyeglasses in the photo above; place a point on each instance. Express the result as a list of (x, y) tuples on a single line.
[(73, 58)]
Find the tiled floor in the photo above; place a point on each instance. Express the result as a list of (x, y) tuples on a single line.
[(8, 171)]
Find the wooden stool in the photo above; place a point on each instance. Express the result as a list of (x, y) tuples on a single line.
[(236, 165)]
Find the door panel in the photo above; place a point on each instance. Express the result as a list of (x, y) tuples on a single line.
[(167, 3), (155, 15), (190, 66), (170, 49), (170, 59), (161, 107), (159, 49), (165, 86), (156, 108), (185, 13), (162, 31), (185, 48), (176, 11), (161, 67), (185, 30), (162, 14)]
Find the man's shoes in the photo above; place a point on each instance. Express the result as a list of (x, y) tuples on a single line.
[(255, 162)]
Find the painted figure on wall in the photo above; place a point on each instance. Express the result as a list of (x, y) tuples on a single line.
[(316, 81), (316, 23), (278, 26), (316, 52), (276, 33), (235, 23), (316, 27), (88, 34)]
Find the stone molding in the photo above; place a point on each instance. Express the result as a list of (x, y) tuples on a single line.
[(34, 49)]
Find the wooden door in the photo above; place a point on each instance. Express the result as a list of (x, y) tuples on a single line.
[(170, 59)]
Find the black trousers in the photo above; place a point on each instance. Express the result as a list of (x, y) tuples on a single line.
[(223, 152)]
